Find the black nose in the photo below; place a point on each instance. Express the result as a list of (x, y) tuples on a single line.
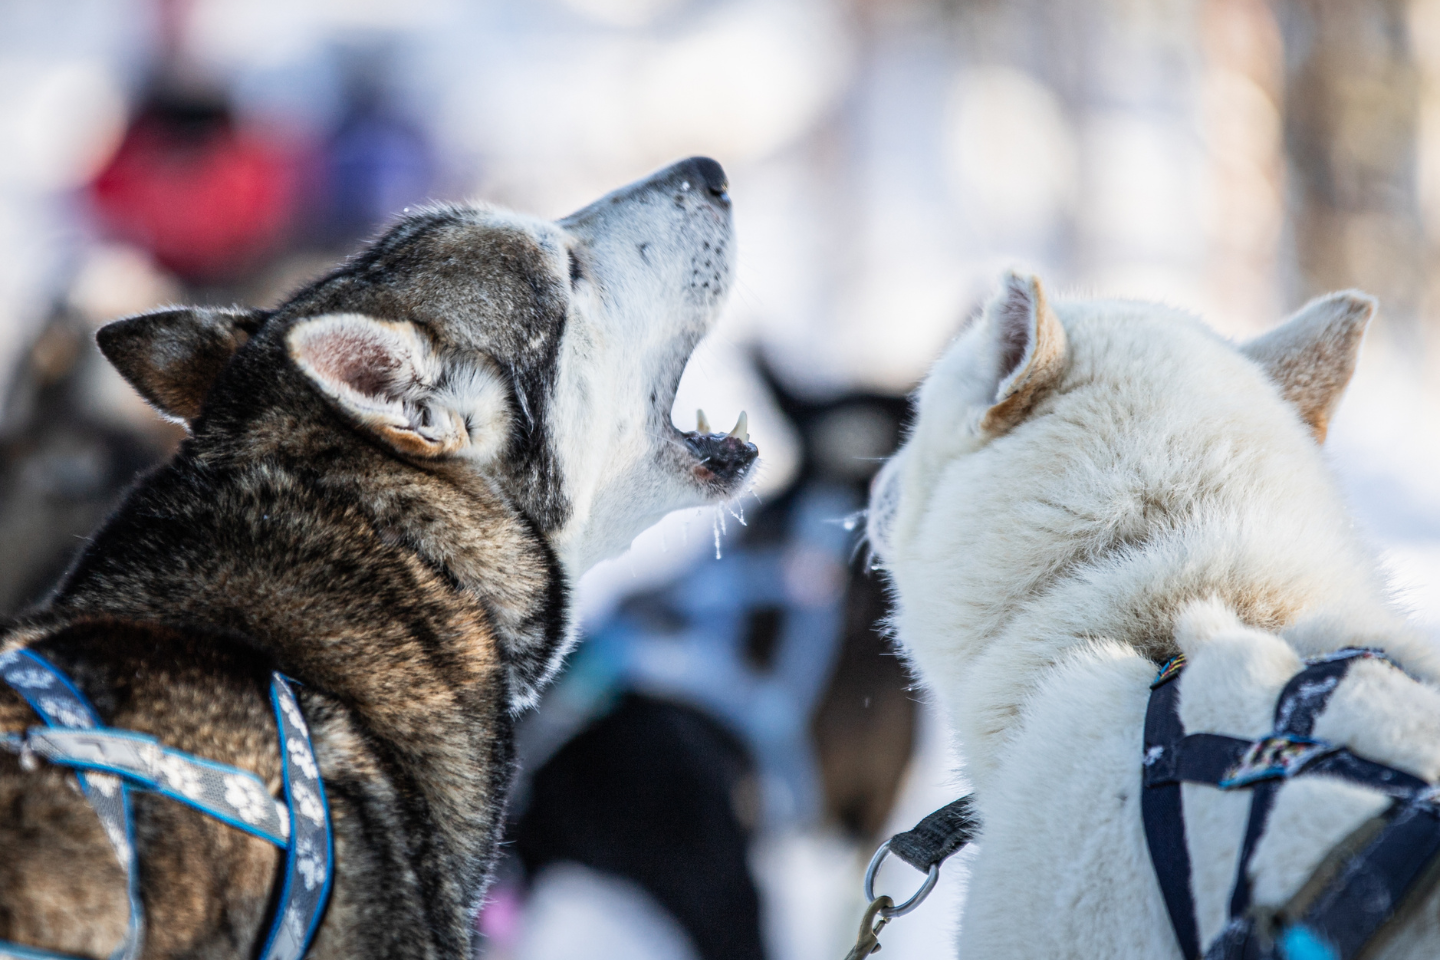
[(712, 176)]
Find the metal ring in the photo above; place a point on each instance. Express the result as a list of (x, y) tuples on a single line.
[(930, 879)]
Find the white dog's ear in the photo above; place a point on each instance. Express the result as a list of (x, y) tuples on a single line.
[(172, 356), (1311, 356), (389, 379), (1029, 348)]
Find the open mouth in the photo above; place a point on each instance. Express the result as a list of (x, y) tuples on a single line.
[(721, 460), (698, 225)]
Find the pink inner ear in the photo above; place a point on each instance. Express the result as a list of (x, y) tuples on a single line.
[(1014, 319), (362, 360)]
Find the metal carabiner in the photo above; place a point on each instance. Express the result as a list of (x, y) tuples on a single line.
[(869, 940), (887, 912)]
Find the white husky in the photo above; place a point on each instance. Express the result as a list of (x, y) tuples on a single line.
[(1090, 488)]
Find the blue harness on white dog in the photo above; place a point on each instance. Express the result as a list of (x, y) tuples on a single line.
[(110, 763), (1382, 868)]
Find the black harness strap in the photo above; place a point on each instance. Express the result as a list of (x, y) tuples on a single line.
[(1300, 702), (1209, 758), (1162, 810), (936, 837), (1400, 865), (1346, 904)]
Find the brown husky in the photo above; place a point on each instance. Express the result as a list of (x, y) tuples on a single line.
[(390, 484)]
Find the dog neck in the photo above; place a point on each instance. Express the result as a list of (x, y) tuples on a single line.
[(345, 579), (408, 612), (997, 622)]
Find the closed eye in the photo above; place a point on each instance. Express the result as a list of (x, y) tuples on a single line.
[(575, 272)]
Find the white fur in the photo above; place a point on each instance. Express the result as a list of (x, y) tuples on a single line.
[(636, 316), (1158, 493)]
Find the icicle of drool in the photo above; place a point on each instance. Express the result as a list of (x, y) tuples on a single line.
[(715, 525), (740, 516)]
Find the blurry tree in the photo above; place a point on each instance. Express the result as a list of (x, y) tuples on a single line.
[(1351, 97), (1241, 91), (1425, 48)]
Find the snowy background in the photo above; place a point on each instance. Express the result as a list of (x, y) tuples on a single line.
[(887, 158)]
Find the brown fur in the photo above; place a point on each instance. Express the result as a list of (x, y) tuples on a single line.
[(1025, 377), (176, 381), (1312, 362)]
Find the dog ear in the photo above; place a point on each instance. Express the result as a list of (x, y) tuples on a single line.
[(1029, 346), (389, 379), (172, 357), (1311, 356)]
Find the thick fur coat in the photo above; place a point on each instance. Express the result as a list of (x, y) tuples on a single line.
[(391, 481), (1090, 488)]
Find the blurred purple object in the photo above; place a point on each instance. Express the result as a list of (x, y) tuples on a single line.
[(376, 163)]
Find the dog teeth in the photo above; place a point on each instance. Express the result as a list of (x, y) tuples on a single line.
[(701, 424), (742, 428)]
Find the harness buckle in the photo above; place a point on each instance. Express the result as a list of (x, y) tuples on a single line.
[(1279, 755)]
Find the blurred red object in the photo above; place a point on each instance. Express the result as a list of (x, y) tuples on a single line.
[(209, 201)]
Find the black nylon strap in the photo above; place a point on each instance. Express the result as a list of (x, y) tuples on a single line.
[(1368, 773), (1304, 696), (1373, 885), (1207, 758), (1197, 758), (1235, 942), (1403, 861), (1163, 813), (937, 836), (1262, 798)]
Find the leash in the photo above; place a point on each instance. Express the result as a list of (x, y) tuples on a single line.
[(932, 841), (110, 763), (1366, 882)]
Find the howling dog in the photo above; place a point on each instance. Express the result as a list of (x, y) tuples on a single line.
[(391, 482), (1090, 491)]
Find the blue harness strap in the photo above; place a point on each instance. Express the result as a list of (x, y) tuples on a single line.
[(1366, 891), (109, 763), (311, 851), (225, 793), (51, 695)]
